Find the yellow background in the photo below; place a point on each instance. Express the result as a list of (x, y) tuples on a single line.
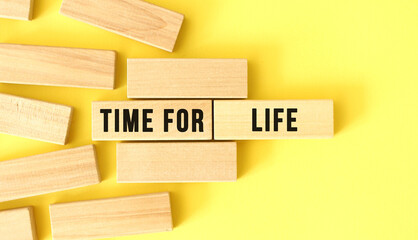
[(362, 184)]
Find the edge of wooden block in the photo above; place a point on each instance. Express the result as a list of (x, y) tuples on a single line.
[(127, 36), (235, 144), (112, 87), (38, 139), (135, 97), (33, 223), (217, 138)]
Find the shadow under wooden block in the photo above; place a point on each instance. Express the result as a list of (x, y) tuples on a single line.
[(34, 119), (49, 172), (17, 224), (176, 162), (112, 217), (273, 119), (138, 20)]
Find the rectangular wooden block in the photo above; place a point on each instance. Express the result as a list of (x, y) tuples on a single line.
[(47, 173), (134, 19), (152, 120), (105, 218), (17, 224), (16, 9), (34, 119), (187, 78), (57, 66), (176, 162), (273, 119)]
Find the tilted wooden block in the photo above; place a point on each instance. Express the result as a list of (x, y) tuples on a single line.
[(16, 9), (34, 119), (105, 218), (152, 120), (187, 78), (49, 172), (273, 119), (134, 19), (17, 224), (176, 162), (57, 66)]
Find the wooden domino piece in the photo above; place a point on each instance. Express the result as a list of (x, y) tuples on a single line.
[(187, 78), (34, 119), (57, 66), (176, 162), (273, 119), (47, 173), (152, 120), (138, 20), (105, 218), (16, 9), (17, 224)]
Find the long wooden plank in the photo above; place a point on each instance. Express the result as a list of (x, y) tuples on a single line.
[(16, 9), (187, 78), (57, 66), (152, 120), (105, 218), (134, 19), (17, 224), (273, 119), (49, 172), (176, 162), (34, 119)]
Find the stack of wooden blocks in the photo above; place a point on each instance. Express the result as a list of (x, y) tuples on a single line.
[(189, 99)]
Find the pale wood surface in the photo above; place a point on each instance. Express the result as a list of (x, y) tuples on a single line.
[(16, 9), (176, 162), (233, 119), (157, 118), (57, 66), (187, 78), (49, 172), (134, 19), (17, 224), (111, 217), (34, 119)]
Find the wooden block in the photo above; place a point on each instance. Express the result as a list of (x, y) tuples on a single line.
[(47, 173), (17, 224), (275, 119), (134, 19), (16, 9), (187, 78), (34, 119), (105, 218), (152, 120), (176, 162), (57, 66)]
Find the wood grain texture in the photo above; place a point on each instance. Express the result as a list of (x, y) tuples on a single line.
[(157, 123), (105, 218), (49, 172), (17, 224), (16, 9), (134, 19), (187, 78), (176, 162), (34, 119), (234, 119), (57, 66)]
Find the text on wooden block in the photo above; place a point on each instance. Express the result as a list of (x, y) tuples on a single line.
[(152, 120), (273, 119)]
